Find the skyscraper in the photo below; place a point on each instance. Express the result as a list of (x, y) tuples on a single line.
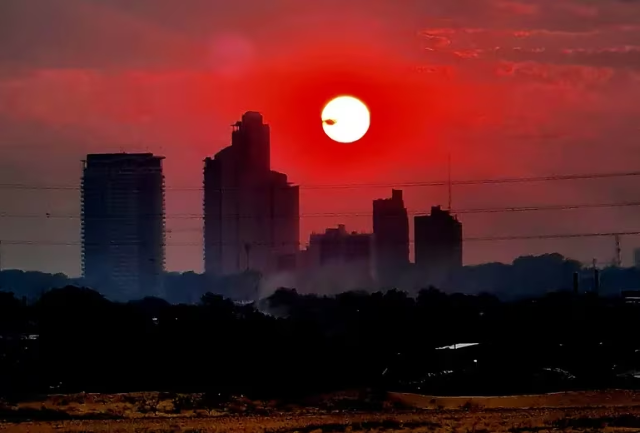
[(123, 223), (251, 213), (391, 237), (438, 245)]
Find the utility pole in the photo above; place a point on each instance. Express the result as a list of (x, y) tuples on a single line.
[(596, 278), (449, 180), (618, 256), (247, 249), (0, 261)]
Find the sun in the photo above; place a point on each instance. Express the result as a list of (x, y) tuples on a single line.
[(345, 119)]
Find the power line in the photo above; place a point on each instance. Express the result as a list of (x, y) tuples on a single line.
[(507, 209), (490, 181), (466, 239), (549, 207), (551, 236)]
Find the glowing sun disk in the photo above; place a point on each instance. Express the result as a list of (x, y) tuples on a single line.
[(345, 119)]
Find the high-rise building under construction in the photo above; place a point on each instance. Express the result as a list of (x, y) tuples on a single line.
[(123, 224)]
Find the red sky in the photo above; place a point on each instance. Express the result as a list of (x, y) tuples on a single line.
[(508, 87)]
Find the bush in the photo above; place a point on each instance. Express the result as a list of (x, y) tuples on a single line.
[(470, 406), (211, 401), (130, 399), (622, 421), (29, 414), (149, 404), (184, 402)]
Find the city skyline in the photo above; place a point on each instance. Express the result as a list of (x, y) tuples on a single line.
[(340, 217), (509, 89), (251, 223)]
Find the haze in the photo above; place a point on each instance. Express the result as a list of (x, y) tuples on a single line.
[(508, 88)]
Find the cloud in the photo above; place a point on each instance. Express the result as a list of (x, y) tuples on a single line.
[(510, 87), (81, 34), (517, 8)]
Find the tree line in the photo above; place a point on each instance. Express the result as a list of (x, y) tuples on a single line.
[(526, 276), (74, 339)]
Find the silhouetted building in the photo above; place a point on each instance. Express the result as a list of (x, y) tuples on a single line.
[(338, 245), (438, 245), (123, 223), (341, 259), (636, 258), (391, 237), (251, 213)]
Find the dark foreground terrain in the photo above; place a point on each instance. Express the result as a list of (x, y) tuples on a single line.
[(611, 411)]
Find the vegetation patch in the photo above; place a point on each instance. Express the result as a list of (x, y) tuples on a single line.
[(622, 421), (13, 415), (387, 424)]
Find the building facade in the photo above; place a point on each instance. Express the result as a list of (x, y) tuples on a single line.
[(391, 238), (123, 225), (338, 261), (251, 213), (438, 245)]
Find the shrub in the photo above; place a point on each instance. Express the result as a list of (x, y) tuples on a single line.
[(471, 406), (149, 404), (184, 402), (29, 414), (210, 401)]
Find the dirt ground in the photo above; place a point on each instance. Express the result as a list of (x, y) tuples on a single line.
[(556, 400), (611, 411)]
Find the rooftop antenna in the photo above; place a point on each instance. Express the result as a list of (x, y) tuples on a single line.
[(449, 180)]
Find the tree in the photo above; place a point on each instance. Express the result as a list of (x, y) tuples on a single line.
[(11, 313)]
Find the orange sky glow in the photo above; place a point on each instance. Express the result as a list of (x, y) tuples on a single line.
[(508, 88)]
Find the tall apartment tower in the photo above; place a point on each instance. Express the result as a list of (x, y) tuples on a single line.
[(123, 223), (438, 245), (391, 237), (251, 213)]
